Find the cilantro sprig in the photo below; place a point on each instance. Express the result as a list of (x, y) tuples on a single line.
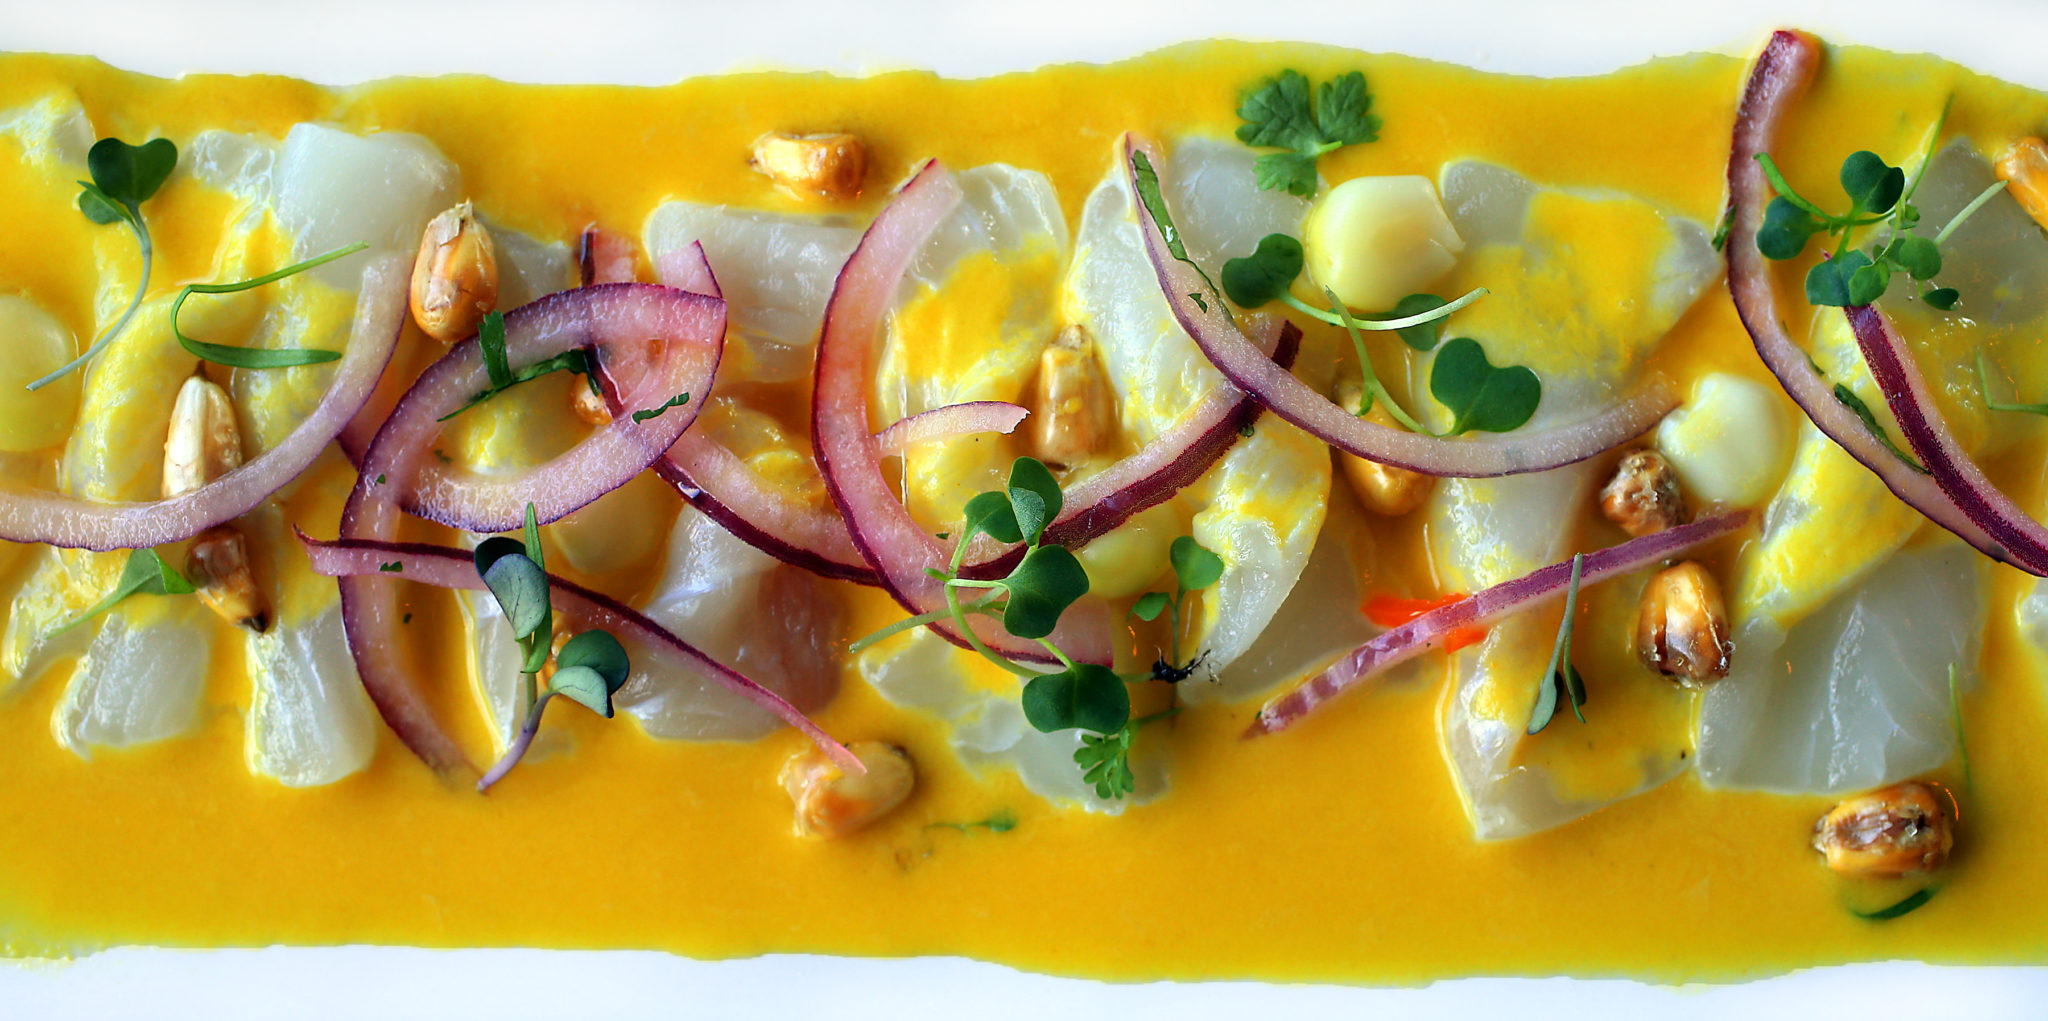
[(1561, 681), (1878, 193), (123, 178), (1029, 602), (590, 668), (490, 339), (1277, 113), (144, 573)]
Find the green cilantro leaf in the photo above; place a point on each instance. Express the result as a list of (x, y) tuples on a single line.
[(490, 337), (144, 572), (1084, 697), (1480, 395), (1277, 113), (1105, 761), (1855, 404), (674, 402)]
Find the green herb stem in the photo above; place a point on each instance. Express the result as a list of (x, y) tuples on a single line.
[(516, 750), (1965, 212), (1371, 378), (1984, 387), (127, 315), (959, 615), (257, 358), (986, 607)]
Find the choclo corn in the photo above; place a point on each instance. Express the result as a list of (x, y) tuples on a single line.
[(455, 276), (831, 803), (1072, 414), (1898, 831), (826, 166), (1376, 240), (1382, 488), (205, 443)]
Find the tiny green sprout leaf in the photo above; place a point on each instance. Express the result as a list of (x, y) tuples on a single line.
[(1868, 283), (990, 512), (1084, 697), (1422, 336), (1480, 395), (1831, 281), (1919, 257), (1873, 185), (1194, 565), (130, 174), (1560, 678), (1105, 761), (584, 686), (1785, 230), (394, 567), (1150, 605), (1726, 227), (1266, 274), (674, 402), (145, 573), (1034, 496), (1045, 583), (97, 206), (533, 549), (602, 653), (1944, 298), (518, 584), (490, 337)]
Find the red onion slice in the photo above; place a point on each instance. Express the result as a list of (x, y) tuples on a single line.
[(1905, 391), (1208, 322), (658, 341), (1392, 648), (1777, 79), (609, 314), (892, 542), (443, 567), (64, 521), (945, 423)]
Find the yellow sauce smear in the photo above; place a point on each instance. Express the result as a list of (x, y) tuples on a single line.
[(1337, 851)]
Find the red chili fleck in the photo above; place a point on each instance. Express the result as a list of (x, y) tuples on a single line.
[(1394, 611)]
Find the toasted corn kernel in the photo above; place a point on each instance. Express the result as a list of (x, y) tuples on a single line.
[(1383, 489), (1073, 416), (1899, 831), (830, 166), (1643, 496), (455, 277), (203, 444), (2024, 169), (1682, 626), (831, 803), (218, 563)]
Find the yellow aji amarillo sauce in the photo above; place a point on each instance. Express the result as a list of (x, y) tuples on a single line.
[(1338, 850)]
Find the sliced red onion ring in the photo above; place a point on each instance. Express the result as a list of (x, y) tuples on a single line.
[(1905, 391), (1777, 79), (443, 567), (1401, 644), (64, 521), (948, 422), (614, 316), (670, 339), (1207, 320), (892, 542)]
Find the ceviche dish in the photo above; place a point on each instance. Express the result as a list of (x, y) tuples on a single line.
[(1248, 511)]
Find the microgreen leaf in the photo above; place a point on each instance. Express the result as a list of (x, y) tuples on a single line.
[(1034, 497), (1560, 678), (1855, 404), (568, 361), (1918, 257), (1150, 605), (1045, 583), (515, 581), (1194, 565), (1105, 761), (490, 338), (253, 357), (674, 402), (1146, 180), (130, 174), (1912, 902), (1944, 298), (1480, 395), (1264, 275), (1422, 336), (1832, 282), (1873, 186), (584, 686), (532, 532), (145, 572), (1084, 696), (1785, 230), (98, 206), (598, 651), (990, 512)]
